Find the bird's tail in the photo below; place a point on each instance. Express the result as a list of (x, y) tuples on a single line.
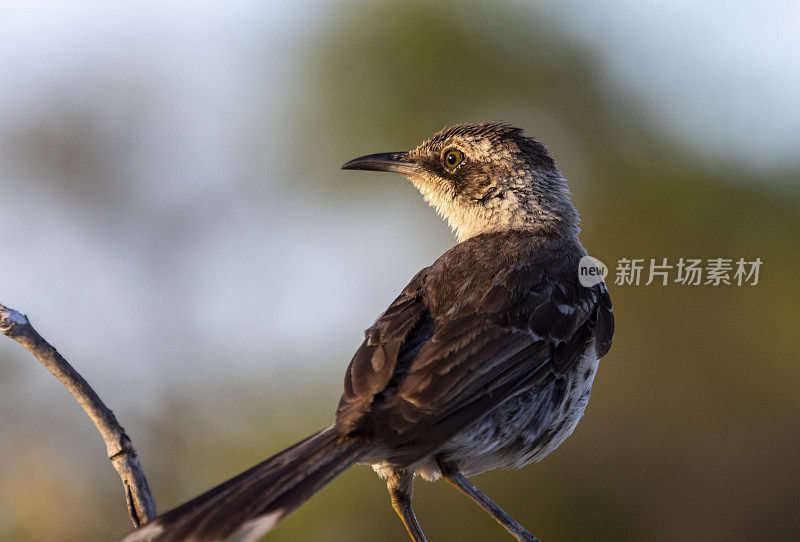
[(252, 503)]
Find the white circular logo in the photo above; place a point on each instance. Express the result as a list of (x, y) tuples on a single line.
[(591, 271)]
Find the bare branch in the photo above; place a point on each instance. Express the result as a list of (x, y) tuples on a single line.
[(141, 505)]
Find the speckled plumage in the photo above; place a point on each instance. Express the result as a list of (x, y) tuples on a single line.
[(507, 181), (485, 360)]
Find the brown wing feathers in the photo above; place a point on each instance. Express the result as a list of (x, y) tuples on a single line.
[(446, 362)]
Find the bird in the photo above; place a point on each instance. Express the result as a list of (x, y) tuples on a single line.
[(484, 361)]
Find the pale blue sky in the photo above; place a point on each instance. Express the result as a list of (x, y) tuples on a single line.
[(727, 73)]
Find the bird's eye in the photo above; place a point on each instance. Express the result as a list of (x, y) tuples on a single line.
[(452, 158)]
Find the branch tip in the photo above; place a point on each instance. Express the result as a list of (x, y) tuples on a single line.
[(10, 317)]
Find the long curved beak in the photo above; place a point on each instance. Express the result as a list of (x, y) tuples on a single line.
[(396, 162)]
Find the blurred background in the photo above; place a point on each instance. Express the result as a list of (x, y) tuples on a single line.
[(174, 221)]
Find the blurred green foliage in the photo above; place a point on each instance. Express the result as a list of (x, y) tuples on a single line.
[(692, 431)]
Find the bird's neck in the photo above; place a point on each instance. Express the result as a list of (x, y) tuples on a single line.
[(519, 210)]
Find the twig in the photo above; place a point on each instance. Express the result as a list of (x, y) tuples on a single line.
[(141, 506)]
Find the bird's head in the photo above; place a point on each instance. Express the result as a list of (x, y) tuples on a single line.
[(483, 178)]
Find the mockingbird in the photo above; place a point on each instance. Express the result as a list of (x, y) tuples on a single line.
[(484, 361)]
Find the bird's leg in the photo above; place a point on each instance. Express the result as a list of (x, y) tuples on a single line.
[(457, 480), (400, 486)]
